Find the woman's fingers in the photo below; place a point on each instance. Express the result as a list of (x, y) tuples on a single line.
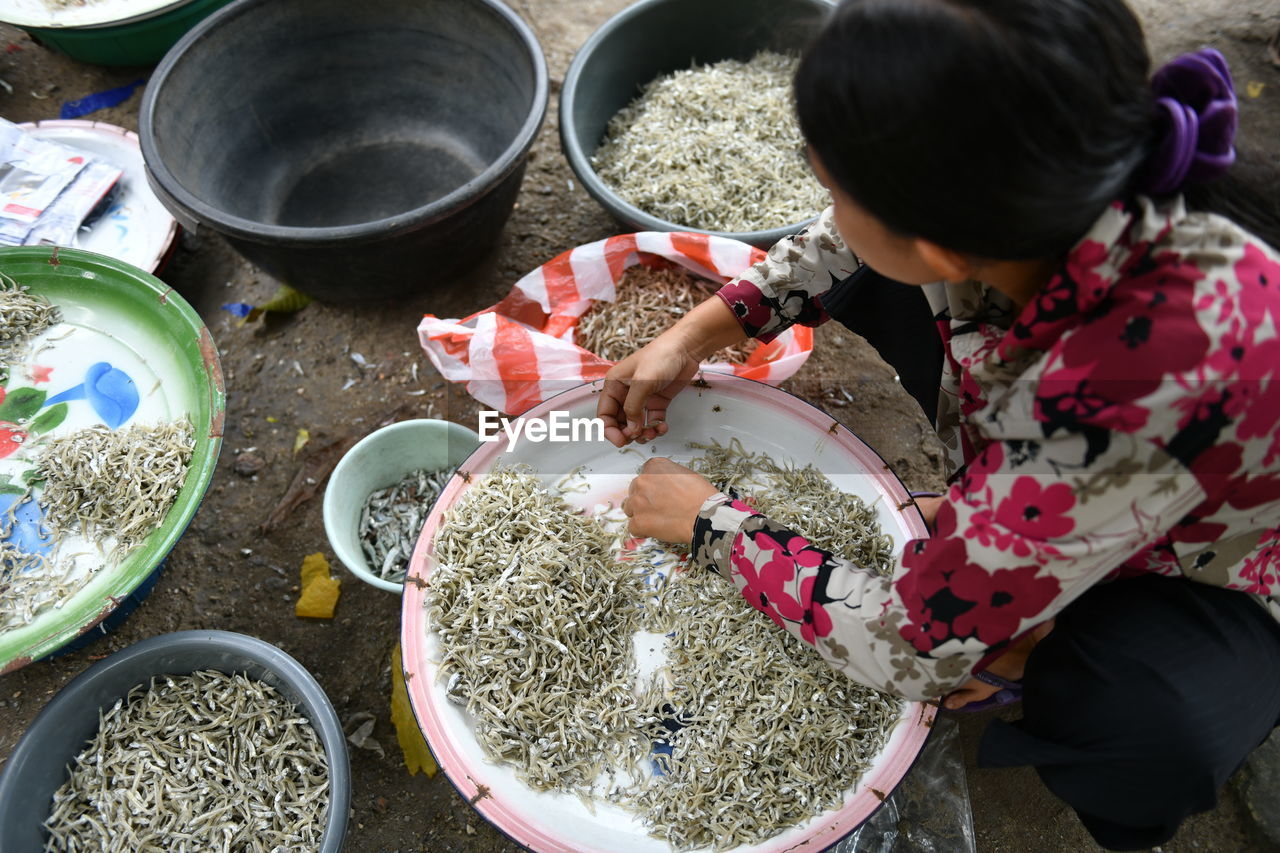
[(609, 411), (635, 406)]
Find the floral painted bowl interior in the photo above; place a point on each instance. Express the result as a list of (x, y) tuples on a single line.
[(128, 349)]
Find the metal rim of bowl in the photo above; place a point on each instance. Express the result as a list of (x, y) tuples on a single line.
[(469, 193), (325, 722), (580, 160)]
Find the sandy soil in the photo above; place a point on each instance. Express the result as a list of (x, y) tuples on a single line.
[(224, 574)]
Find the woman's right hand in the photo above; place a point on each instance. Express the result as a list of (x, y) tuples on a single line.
[(638, 389)]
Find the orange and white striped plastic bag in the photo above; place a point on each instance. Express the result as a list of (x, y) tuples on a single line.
[(520, 352)]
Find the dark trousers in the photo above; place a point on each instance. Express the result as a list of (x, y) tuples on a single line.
[(1149, 692), (1146, 696), (896, 320)]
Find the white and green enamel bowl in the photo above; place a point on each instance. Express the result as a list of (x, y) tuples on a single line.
[(128, 349)]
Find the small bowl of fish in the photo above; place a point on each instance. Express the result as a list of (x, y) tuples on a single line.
[(382, 490)]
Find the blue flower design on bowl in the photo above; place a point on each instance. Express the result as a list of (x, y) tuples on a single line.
[(110, 391)]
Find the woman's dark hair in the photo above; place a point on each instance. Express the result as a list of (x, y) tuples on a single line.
[(999, 128)]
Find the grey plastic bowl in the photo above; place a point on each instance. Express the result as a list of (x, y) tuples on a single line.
[(353, 150), (656, 37), (38, 765)]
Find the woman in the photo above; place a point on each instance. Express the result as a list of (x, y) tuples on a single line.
[(1109, 365)]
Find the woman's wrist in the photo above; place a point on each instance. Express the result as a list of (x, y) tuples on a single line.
[(707, 329)]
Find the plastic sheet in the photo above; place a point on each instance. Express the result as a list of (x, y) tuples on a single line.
[(520, 352), (929, 812)]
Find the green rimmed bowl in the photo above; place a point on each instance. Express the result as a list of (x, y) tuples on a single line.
[(110, 32), (117, 314)]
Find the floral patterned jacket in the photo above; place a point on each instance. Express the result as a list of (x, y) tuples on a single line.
[(1123, 422)]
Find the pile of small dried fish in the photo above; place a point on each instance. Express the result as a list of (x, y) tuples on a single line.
[(647, 302), (771, 735), (802, 499), (392, 519), (28, 581), (22, 318), (202, 762), (535, 616), (714, 147), (535, 620), (102, 482)]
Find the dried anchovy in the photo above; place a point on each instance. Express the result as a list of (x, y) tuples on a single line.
[(801, 499), (30, 582), (392, 519), (22, 318), (535, 619), (647, 302), (715, 147), (771, 735), (202, 762), (102, 482)]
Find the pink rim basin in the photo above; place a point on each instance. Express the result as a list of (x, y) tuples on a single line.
[(764, 419)]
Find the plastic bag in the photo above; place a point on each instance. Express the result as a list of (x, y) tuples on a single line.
[(47, 190), (929, 811), (520, 352)]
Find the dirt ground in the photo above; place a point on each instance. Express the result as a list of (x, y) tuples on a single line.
[(224, 574)]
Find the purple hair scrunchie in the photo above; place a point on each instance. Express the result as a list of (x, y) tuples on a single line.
[(1197, 115)]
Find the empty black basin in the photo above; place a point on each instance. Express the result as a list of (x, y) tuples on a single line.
[(354, 150)]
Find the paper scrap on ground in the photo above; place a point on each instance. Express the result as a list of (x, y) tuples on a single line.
[(417, 755), (319, 594)]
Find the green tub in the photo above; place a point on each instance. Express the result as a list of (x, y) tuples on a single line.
[(138, 41)]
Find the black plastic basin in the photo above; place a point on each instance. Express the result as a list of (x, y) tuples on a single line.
[(655, 37), (38, 765), (353, 150)]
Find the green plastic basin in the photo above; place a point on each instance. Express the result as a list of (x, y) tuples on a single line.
[(139, 42)]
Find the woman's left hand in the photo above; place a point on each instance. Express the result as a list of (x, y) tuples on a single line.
[(664, 500)]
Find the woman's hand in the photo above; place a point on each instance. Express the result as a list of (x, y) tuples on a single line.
[(664, 500), (639, 388)]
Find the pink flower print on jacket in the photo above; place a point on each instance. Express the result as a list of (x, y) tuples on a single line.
[(1259, 281), (766, 578), (1037, 512), (1002, 599), (817, 622)]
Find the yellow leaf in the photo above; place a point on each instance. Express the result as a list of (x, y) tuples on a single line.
[(1254, 88), (272, 420), (285, 300), (417, 755), (300, 440), (319, 594)]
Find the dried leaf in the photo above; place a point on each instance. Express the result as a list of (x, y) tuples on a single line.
[(316, 467), (361, 737), (417, 755), (300, 440)]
